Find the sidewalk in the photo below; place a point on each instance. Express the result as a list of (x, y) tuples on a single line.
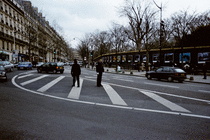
[(196, 78)]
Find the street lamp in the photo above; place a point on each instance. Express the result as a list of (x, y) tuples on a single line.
[(160, 58)]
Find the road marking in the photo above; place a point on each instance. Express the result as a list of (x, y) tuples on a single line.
[(33, 80), (90, 77), (113, 95), (49, 85), (161, 85), (204, 91), (24, 76), (75, 91), (166, 103), (114, 106), (125, 80), (162, 93)]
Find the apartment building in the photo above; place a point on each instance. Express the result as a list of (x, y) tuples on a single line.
[(25, 35)]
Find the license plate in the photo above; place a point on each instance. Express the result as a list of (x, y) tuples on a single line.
[(21, 68), (182, 74)]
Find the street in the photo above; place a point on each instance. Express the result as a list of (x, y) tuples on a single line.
[(45, 106)]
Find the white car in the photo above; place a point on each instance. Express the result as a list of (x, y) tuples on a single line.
[(7, 65)]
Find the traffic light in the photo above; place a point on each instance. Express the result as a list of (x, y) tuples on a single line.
[(91, 53), (54, 51)]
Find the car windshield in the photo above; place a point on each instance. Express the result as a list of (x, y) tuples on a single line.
[(60, 64), (1, 68), (179, 70)]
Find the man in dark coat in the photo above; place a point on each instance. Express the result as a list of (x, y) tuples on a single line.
[(75, 72), (99, 70)]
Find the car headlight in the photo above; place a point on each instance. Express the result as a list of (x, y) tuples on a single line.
[(3, 73)]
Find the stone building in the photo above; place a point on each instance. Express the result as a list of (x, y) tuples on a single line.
[(25, 35)]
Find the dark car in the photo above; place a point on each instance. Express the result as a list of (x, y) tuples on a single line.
[(3, 74), (51, 67), (169, 73)]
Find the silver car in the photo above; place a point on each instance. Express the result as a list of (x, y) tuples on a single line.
[(7, 65)]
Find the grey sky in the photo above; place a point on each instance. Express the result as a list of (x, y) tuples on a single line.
[(78, 17)]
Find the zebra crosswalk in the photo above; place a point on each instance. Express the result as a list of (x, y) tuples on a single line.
[(77, 92)]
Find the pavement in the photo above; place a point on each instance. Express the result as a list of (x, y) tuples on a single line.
[(190, 78)]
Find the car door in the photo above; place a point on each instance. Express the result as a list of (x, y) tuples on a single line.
[(45, 67), (158, 73), (166, 72)]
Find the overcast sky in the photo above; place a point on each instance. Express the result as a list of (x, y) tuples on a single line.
[(78, 17)]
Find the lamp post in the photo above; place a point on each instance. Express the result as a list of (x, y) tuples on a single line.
[(160, 57)]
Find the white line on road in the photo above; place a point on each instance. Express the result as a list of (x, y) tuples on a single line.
[(161, 85), (113, 95), (49, 85), (114, 106), (75, 91), (24, 76), (163, 101), (33, 80), (162, 93), (204, 91)]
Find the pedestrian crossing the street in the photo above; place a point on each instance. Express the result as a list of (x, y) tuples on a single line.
[(111, 93)]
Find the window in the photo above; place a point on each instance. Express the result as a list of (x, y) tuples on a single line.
[(160, 69), (166, 69), (5, 8)]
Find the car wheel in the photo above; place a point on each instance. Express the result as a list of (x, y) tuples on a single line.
[(18, 68), (11, 69), (61, 71), (149, 76), (54, 71), (170, 79)]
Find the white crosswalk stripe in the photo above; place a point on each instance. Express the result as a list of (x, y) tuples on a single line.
[(20, 77), (166, 103), (75, 91), (33, 80), (113, 95), (49, 85)]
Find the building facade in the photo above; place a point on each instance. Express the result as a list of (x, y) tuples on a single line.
[(25, 35)]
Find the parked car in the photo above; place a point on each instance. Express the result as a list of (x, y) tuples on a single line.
[(51, 67), (25, 65), (3, 73), (15, 64), (7, 65), (169, 73)]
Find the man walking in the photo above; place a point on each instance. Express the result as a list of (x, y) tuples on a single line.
[(75, 72), (99, 70)]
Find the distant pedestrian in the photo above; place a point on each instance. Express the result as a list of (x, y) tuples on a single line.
[(75, 72), (99, 70), (204, 71)]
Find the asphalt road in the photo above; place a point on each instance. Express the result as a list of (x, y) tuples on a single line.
[(45, 106)]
